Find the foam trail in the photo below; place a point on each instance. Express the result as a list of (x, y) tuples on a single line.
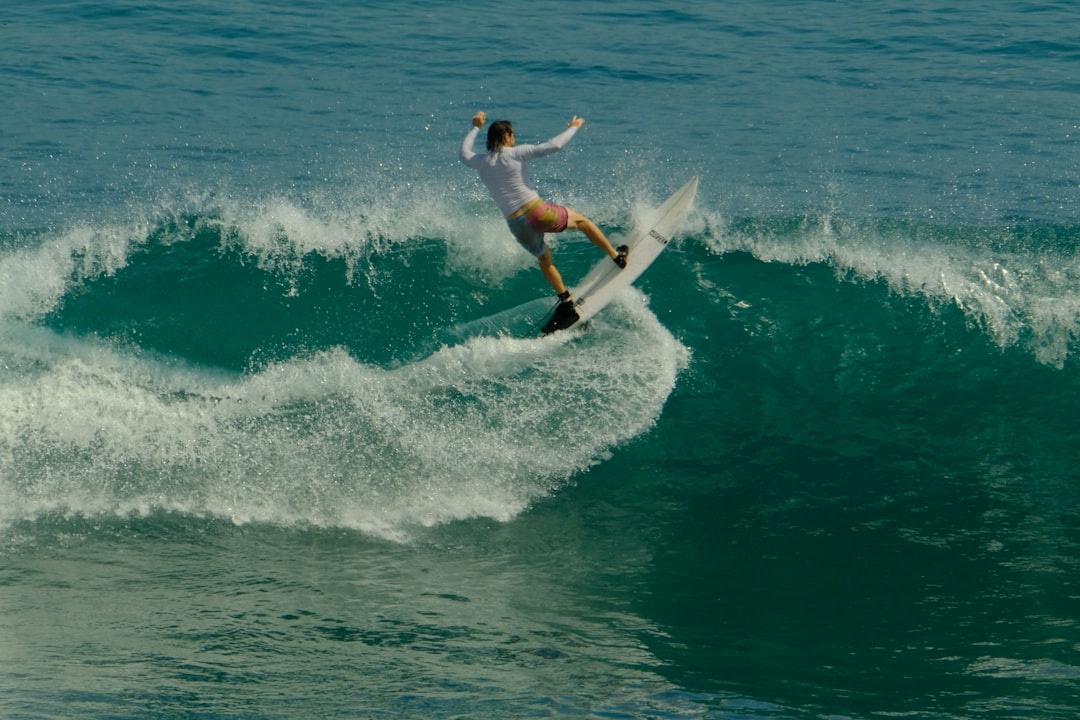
[(466, 432)]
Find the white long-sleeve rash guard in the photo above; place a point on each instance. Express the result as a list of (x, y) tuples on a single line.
[(504, 172)]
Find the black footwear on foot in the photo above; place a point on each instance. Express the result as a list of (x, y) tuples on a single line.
[(565, 315), (620, 259)]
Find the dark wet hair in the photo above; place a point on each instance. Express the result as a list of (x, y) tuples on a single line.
[(497, 133)]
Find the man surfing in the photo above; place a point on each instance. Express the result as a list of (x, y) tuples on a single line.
[(505, 172)]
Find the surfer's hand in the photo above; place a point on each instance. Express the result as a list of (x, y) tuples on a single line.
[(478, 119), (576, 122)]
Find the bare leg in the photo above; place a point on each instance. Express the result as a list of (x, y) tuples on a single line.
[(551, 274), (577, 221)]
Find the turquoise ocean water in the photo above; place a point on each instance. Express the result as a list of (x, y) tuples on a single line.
[(265, 454)]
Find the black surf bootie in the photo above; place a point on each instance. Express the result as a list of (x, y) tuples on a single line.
[(620, 259), (564, 316)]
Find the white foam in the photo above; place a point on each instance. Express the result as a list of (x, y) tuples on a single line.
[(480, 429), (33, 280)]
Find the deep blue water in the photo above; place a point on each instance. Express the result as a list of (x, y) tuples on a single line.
[(263, 455)]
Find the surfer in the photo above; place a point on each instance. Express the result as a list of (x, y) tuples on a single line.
[(503, 170)]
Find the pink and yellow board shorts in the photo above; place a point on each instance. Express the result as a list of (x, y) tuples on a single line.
[(539, 217), (546, 217)]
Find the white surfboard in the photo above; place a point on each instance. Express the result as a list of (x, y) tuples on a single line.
[(606, 279)]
